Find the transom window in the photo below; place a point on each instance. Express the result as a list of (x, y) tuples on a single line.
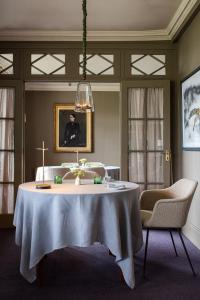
[(98, 64), (6, 64), (48, 64), (148, 64)]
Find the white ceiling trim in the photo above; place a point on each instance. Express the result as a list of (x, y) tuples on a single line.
[(65, 86), (183, 13), (34, 35)]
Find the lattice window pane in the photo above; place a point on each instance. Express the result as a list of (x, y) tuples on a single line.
[(155, 167), (6, 64), (155, 135), (48, 64), (6, 134), (136, 167), (6, 198), (98, 64), (136, 133), (7, 103), (6, 166), (148, 64)]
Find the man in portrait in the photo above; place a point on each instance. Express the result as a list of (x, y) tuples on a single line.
[(72, 132)]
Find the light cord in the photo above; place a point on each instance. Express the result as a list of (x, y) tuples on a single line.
[(84, 9)]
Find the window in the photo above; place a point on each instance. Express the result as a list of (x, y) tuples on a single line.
[(6, 64), (48, 64), (148, 64), (98, 64), (6, 150)]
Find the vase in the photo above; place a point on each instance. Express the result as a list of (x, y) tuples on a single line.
[(77, 180)]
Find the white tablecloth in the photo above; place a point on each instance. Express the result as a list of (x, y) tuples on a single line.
[(51, 171), (69, 215)]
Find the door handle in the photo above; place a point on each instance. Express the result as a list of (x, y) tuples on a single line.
[(167, 155)]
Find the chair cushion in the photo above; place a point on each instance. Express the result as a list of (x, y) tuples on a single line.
[(145, 215)]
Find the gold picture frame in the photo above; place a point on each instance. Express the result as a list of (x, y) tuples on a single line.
[(73, 131)]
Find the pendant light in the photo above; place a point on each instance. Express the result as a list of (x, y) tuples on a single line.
[(84, 99)]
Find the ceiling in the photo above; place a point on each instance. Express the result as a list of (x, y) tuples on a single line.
[(17, 17), (102, 14)]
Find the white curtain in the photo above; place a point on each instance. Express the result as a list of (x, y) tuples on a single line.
[(6, 103), (136, 100), (145, 134), (155, 134), (6, 150)]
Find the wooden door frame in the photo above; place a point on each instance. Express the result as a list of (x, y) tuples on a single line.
[(125, 85), (6, 220)]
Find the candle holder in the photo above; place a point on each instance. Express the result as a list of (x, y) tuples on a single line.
[(43, 185), (97, 180), (58, 179)]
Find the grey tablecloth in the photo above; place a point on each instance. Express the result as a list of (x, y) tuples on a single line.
[(69, 215)]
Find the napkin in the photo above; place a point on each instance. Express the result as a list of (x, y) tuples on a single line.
[(118, 186)]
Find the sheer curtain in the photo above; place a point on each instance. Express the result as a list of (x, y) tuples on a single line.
[(145, 112), (155, 135), (136, 100), (6, 150)]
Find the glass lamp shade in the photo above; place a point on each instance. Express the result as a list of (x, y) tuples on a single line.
[(84, 99)]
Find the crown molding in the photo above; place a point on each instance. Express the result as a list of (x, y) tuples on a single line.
[(39, 35), (72, 86), (181, 16)]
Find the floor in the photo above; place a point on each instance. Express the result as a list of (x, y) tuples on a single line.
[(91, 273)]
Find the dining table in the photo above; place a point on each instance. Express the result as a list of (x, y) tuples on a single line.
[(51, 171), (68, 215)]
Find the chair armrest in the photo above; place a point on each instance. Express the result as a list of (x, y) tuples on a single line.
[(169, 213), (150, 197)]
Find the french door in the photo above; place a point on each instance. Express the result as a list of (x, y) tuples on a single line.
[(145, 133), (11, 133)]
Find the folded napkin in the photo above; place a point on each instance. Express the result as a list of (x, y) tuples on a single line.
[(69, 165), (118, 186), (94, 164)]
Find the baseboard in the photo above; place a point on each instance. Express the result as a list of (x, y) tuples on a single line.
[(192, 232)]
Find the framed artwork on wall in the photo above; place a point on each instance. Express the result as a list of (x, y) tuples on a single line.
[(190, 90), (73, 131)]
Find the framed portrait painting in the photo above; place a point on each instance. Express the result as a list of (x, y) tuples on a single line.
[(190, 89), (73, 131)]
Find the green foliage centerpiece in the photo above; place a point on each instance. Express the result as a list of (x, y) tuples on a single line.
[(78, 173)]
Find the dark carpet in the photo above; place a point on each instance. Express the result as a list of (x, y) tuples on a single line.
[(90, 273)]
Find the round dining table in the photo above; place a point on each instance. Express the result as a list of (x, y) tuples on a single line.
[(51, 171), (68, 215)]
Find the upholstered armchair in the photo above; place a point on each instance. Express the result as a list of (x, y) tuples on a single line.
[(167, 209)]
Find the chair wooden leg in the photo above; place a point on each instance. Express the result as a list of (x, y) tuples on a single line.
[(145, 253), (173, 242), (186, 252)]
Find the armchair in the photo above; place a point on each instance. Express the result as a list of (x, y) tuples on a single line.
[(167, 209)]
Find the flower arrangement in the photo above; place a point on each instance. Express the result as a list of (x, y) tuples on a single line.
[(83, 161), (78, 173)]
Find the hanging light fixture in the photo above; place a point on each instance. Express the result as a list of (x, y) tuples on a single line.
[(84, 99)]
